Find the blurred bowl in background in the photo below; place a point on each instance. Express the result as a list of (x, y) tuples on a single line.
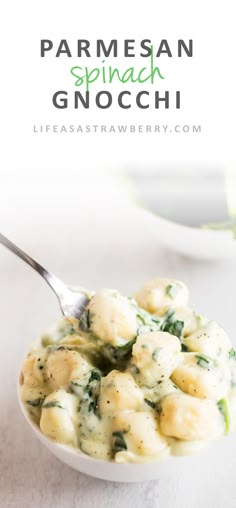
[(192, 241), (105, 207), (193, 212)]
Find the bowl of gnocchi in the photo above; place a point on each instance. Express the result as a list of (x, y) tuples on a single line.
[(136, 380)]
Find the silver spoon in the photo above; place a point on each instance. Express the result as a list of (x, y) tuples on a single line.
[(72, 303)]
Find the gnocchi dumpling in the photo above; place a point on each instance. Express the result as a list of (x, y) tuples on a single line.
[(33, 369), (119, 391), (155, 356), (138, 434), (59, 417), (158, 295), (189, 418), (112, 317), (201, 377), (210, 340), (64, 365)]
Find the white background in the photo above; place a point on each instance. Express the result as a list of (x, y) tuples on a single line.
[(206, 81), (49, 184), (34, 166)]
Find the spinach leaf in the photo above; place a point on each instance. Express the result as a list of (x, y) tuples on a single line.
[(224, 409), (93, 406), (171, 326), (95, 375), (175, 328), (90, 393), (53, 403), (119, 442), (36, 402), (232, 353), (150, 403), (204, 361), (117, 355), (171, 291), (158, 407), (151, 323), (147, 322), (60, 348), (77, 388)]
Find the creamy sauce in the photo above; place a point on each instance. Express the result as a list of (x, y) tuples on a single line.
[(136, 379)]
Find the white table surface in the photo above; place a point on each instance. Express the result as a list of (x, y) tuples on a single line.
[(29, 475)]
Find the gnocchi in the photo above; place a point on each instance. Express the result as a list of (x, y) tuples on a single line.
[(135, 379), (189, 418), (112, 318), (129, 440), (60, 416), (159, 294), (155, 355), (63, 365), (210, 339), (119, 392), (202, 377)]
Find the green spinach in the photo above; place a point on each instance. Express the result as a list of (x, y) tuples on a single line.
[(119, 444), (224, 409), (53, 403), (36, 402)]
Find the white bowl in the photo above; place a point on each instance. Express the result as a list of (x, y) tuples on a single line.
[(191, 241), (101, 469), (130, 473)]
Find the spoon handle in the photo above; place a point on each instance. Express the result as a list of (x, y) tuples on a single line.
[(56, 284)]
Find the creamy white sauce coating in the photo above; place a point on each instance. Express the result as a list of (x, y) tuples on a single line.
[(136, 379)]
